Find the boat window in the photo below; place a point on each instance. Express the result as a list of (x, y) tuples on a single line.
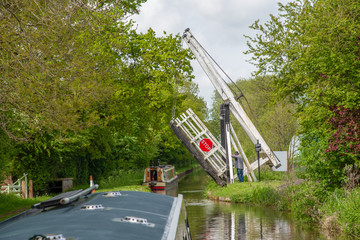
[(153, 175)]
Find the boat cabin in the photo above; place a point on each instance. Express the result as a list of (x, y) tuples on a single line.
[(162, 173), (160, 177)]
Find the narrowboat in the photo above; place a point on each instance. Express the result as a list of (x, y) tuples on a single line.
[(83, 214), (161, 177)]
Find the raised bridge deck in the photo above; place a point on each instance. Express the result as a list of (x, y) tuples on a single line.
[(191, 130)]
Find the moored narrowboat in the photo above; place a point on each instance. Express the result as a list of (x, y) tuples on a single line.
[(160, 177)]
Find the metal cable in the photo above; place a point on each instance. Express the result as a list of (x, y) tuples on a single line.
[(222, 70), (237, 97)]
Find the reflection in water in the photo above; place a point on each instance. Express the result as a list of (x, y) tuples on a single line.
[(170, 191), (241, 226), (217, 220)]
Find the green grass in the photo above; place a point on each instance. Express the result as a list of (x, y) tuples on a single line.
[(341, 212), (309, 202), (11, 205), (263, 192), (267, 174), (123, 178)]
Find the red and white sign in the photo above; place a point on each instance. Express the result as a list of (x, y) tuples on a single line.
[(206, 144)]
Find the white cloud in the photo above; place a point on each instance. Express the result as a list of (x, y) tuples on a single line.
[(219, 25)]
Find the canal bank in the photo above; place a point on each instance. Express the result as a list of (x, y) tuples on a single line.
[(210, 219), (308, 202)]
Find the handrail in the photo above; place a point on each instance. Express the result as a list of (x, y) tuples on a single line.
[(75, 197)]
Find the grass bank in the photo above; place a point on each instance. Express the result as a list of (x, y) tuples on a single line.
[(309, 202), (11, 205), (247, 192)]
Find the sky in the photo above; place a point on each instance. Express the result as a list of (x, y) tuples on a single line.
[(219, 26)]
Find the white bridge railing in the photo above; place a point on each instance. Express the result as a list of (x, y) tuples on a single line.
[(195, 131)]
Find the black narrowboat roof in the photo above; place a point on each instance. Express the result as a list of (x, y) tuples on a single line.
[(98, 216)]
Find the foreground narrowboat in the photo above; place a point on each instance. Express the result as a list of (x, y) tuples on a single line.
[(81, 214), (160, 177)]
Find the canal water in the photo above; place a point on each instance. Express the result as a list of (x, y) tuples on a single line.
[(218, 220)]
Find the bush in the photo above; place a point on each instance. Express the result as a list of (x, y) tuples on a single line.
[(265, 195), (341, 211), (262, 193), (123, 178), (266, 173), (304, 200)]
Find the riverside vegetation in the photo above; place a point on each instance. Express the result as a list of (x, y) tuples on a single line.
[(335, 210), (308, 83)]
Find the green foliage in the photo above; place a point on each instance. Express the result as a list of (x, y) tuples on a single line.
[(312, 50), (84, 94), (267, 174), (309, 202), (123, 178), (304, 200), (275, 121), (265, 196), (262, 193), (11, 205), (340, 212), (7, 152)]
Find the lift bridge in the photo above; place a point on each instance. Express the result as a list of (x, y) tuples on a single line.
[(191, 131), (194, 135)]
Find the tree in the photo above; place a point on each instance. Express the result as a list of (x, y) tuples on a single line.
[(54, 65), (172, 151), (81, 91), (312, 49)]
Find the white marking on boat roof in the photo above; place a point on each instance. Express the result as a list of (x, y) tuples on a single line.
[(135, 210)]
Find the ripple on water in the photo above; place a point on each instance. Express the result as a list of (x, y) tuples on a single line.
[(192, 191), (198, 202)]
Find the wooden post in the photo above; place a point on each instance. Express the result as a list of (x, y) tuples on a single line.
[(31, 189), (287, 162), (26, 187), (23, 189)]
